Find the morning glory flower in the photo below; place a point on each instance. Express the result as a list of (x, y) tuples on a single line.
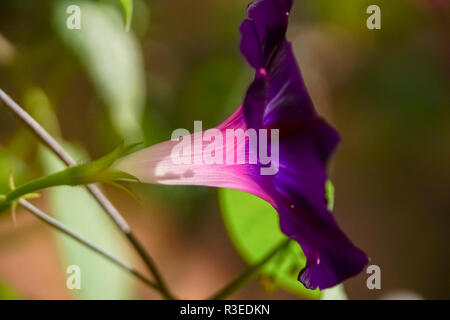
[(274, 146)]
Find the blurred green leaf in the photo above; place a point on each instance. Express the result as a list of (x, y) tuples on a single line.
[(7, 293), (38, 104), (75, 207), (127, 6), (329, 194), (9, 163), (253, 226), (113, 60)]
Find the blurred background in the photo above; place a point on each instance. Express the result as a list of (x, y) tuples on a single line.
[(386, 91)]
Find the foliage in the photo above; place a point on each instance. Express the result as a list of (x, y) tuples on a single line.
[(77, 209)]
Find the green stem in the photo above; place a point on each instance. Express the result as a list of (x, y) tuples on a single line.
[(57, 179), (247, 274), (97, 171), (79, 175)]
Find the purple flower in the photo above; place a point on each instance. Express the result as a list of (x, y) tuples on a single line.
[(300, 145)]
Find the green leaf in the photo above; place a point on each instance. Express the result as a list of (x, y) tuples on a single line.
[(112, 58), (7, 293), (254, 229), (75, 207), (127, 6), (329, 194), (9, 163), (38, 104)]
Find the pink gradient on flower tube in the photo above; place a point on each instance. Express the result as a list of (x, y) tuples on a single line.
[(164, 164)]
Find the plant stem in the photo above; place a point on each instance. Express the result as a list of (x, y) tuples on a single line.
[(71, 176), (109, 208), (77, 237), (247, 274), (57, 179)]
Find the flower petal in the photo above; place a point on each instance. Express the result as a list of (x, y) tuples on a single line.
[(156, 164), (264, 29), (278, 99), (300, 202)]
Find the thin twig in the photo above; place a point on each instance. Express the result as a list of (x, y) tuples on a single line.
[(74, 235), (247, 274), (109, 208)]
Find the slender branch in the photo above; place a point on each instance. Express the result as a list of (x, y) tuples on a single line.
[(77, 237), (109, 208), (247, 274)]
